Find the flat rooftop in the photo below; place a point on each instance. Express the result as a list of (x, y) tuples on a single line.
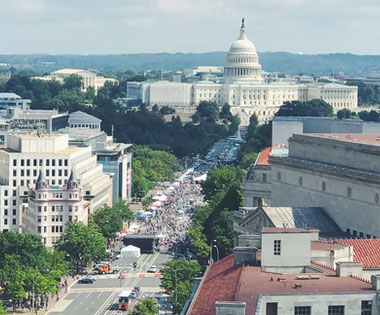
[(224, 281), (254, 282), (370, 139)]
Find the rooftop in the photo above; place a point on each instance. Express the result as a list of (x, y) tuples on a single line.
[(225, 282), (366, 251), (301, 217), (9, 95), (317, 245), (370, 139), (263, 157), (254, 282), (288, 230), (220, 284), (82, 117)]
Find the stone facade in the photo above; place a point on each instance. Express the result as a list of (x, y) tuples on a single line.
[(335, 172)]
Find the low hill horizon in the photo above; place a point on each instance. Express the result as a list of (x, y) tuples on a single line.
[(283, 62)]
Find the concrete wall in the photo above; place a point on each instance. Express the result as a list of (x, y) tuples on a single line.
[(295, 250), (359, 212), (320, 302), (229, 308), (283, 130), (284, 127), (353, 155)]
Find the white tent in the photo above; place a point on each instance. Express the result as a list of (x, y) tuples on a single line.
[(130, 252)]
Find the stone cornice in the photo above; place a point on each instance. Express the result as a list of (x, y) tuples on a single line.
[(347, 145), (329, 169)]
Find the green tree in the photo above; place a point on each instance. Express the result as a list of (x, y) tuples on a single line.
[(180, 295), (72, 82), (221, 178), (369, 116), (344, 113), (226, 112), (109, 220), (177, 278), (90, 93), (166, 110), (208, 111), (146, 307), (2, 309), (83, 243), (68, 100), (179, 270), (12, 278), (315, 107)]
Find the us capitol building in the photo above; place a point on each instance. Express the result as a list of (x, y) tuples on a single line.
[(242, 87)]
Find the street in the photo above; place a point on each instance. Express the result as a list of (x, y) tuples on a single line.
[(168, 216), (101, 297)]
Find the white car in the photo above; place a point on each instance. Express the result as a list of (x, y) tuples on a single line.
[(153, 269)]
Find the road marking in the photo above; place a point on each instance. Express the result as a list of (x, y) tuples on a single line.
[(99, 294)]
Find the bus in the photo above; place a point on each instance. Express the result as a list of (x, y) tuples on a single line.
[(125, 300)]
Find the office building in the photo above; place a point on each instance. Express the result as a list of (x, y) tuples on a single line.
[(26, 155)]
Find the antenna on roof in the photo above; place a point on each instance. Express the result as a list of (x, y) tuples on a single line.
[(112, 131)]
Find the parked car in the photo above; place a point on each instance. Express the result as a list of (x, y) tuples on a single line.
[(86, 280), (153, 269)]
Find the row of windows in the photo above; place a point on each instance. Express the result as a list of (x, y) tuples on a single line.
[(23, 182), (366, 309), (47, 172), (54, 229), (14, 202), (14, 211), (56, 218), (39, 162), (13, 221)]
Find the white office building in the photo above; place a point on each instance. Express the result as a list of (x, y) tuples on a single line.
[(26, 155)]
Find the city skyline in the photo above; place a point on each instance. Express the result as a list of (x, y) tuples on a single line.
[(96, 27)]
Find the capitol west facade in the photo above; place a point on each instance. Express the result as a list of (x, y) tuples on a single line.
[(242, 87)]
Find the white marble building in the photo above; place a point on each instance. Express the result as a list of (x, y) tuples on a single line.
[(242, 88), (89, 78)]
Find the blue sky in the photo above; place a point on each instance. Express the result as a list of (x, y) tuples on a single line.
[(133, 26)]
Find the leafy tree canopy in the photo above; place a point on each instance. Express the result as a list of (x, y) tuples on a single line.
[(146, 307), (315, 107), (344, 113)]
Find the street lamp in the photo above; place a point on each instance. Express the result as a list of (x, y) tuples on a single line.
[(211, 251), (217, 252)]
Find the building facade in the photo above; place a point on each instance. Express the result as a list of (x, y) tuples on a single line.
[(243, 88), (338, 172), (283, 280), (51, 207), (284, 127), (12, 100), (26, 155), (84, 130), (89, 78)]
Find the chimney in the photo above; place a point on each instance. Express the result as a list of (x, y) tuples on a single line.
[(375, 280), (348, 268), (247, 240), (245, 254)]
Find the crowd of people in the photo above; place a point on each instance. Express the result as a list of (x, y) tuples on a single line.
[(172, 219)]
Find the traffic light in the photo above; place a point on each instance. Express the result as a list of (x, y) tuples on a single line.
[(135, 265)]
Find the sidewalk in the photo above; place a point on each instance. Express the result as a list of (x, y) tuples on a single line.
[(52, 300)]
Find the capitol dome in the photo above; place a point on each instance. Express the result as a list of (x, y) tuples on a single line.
[(242, 60)]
